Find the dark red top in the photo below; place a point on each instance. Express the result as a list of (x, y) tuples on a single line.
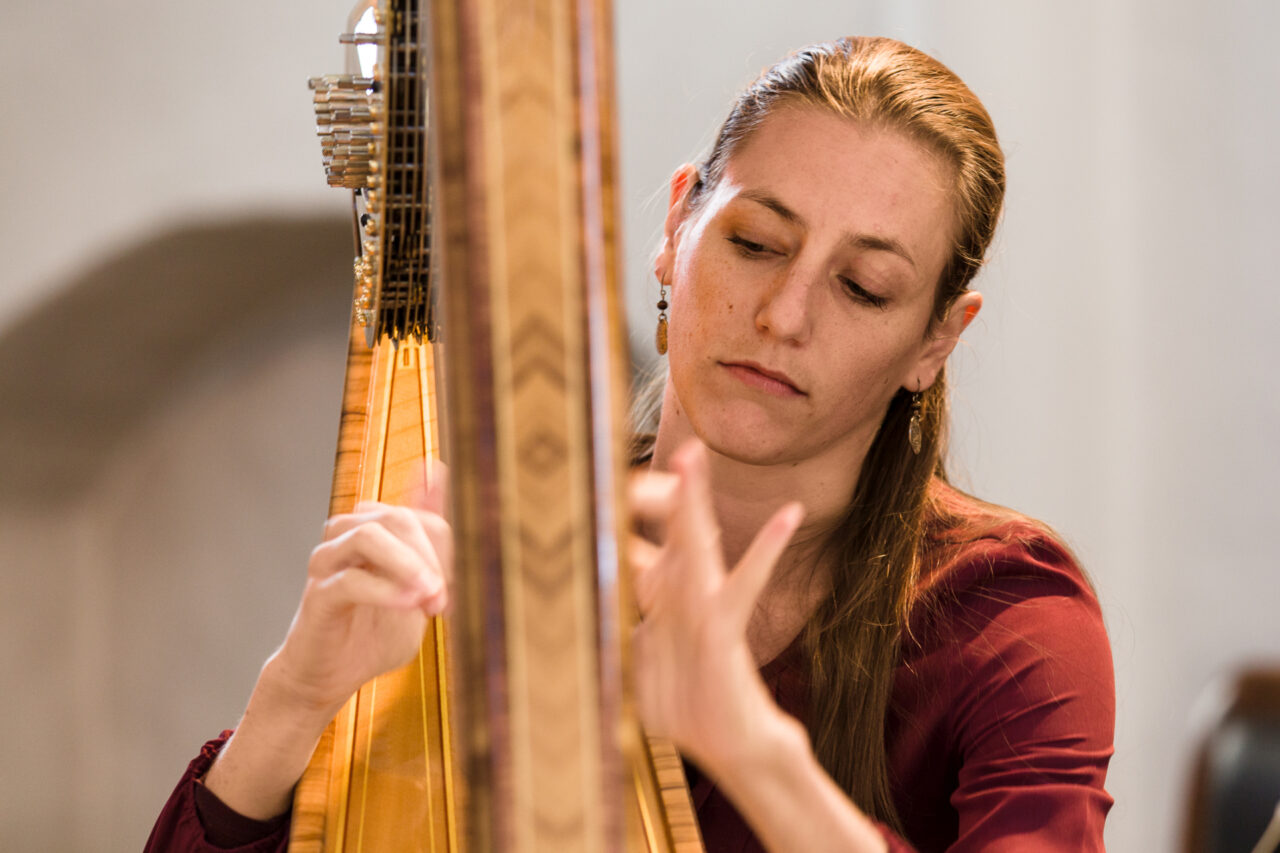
[(1000, 727), (999, 731)]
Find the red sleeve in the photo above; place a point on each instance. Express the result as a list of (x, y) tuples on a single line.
[(897, 844), (1017, 681), (194, 820)]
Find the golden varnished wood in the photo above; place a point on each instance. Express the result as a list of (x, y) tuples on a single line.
[(383, 778), (521, 737)]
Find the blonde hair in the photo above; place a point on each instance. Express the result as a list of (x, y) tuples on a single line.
[(853, 638)]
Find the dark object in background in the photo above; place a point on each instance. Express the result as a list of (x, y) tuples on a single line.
[(1235, 791)]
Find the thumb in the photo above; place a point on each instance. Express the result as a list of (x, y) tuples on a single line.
[(434, 495), (748, 579)]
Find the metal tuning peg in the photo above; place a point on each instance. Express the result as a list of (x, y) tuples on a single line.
[(350, 112), (347, 108)]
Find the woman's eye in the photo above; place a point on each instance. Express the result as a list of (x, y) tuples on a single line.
[(750, 248), (860, 293)]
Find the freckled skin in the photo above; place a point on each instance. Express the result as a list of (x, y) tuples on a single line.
[(799, 316), (794, 318)]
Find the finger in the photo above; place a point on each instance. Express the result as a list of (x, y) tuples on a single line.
[(373, 548), (420, 530), (643, 557), (353, 587), (695, 533), (362, 512), (336, 525), (652, 495), (648, 702), (430, 491), (432, 504), (642, 553), (436, 498), (434, 605), (749, 577), (440, 536), (409, 526)]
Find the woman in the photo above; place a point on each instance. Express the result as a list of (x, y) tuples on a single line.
[(889, 664)]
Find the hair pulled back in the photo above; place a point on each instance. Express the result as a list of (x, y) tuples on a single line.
[(877, 550)]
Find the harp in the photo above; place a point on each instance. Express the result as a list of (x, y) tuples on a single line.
[(477, 139)]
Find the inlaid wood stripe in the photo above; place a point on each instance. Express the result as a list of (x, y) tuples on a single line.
[(461, 246), (536, 282)]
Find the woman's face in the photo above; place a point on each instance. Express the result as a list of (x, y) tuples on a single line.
[(802, 288)]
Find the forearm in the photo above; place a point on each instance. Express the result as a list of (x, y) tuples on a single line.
[(257, 770), (789, 800)]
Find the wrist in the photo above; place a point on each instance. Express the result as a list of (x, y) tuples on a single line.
[(788, 798), (278, 694), (257, 769), (776, 742)]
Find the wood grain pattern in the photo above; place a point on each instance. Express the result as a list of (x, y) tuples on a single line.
[(525, 236), (318, 822), (383, 778), (529, 254)]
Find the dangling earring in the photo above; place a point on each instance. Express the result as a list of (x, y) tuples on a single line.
[(915, 435), (660, 337)]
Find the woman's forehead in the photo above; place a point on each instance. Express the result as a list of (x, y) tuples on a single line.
[(823, 172)]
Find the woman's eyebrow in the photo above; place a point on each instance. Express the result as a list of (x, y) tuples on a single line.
[(874, 242), (879, 243), (773, 203)]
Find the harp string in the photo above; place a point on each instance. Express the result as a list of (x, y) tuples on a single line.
[(401, 446)]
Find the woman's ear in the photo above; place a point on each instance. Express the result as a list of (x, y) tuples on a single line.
[(942, 339), (682, 183)]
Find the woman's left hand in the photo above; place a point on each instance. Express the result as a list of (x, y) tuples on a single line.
[(696, 679)]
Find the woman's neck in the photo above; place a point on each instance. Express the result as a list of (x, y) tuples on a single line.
[(745, 495)]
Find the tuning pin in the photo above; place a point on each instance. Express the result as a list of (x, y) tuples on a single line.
[(348, 110)]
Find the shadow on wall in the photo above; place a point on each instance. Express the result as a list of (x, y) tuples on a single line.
[(85, 368), (167, 430)]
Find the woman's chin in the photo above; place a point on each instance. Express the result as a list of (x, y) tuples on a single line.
[(766, 442), (744, 444)]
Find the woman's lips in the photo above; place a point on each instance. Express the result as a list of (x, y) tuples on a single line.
[(757, 376)]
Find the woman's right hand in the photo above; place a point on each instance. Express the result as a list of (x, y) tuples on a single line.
[(378, 575), (372, 583)]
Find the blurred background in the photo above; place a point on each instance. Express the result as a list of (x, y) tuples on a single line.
[(175, 289)]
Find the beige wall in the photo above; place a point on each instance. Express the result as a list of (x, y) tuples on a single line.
[(121, 118), (191, 553), (158, 559), (1118, 384)]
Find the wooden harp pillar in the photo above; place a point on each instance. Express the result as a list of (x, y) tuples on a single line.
[(527, 254), (525, 742)]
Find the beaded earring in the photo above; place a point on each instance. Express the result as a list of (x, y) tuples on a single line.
[(660, 337), (915, 435)]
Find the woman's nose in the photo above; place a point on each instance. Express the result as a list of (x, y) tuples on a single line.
[(786, 307)]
